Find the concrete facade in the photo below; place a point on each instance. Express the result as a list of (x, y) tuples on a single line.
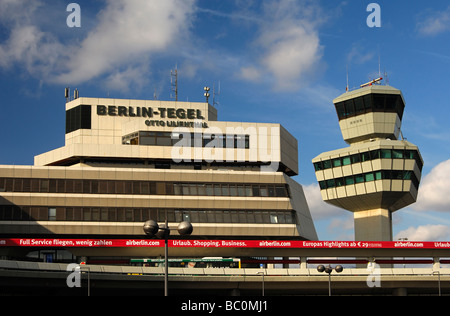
[(127, 161)]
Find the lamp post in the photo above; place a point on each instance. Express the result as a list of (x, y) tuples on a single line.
[(151, 228), (262, 273), (328, 269)]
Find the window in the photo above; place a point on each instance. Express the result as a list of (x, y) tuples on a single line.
[(217, 190), (280, 191), (52, 214), (225, 190), (322, 185), (263, 191), (340, 182), (78, 118), (386, 154), (355, 158), (367, 102), (273, 219), (330, 183), (359, 105), (410, 154), (193, 189), (233, 190), (201, 189), (359, 178), (255, 191), (44, 185), (340, 110), (349, 108), (378, 101), (185, 188), (349, 180), (186, 217), (365, 156), (336, 162), (369, 177), (318, 166), (397, 154), (346, 161), (209, 190), (378, 175), (375, 154)]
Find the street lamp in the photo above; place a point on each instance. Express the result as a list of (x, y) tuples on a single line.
[(328, 269), (151, 228), (206, 94), (262, 273)]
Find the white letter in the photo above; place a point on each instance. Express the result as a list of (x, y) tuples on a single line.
[(374, 19), (374, 279), (182, 150), (264, 156), (74, 18), (74, 279)]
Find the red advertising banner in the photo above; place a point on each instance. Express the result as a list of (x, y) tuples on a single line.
[(67, 243)]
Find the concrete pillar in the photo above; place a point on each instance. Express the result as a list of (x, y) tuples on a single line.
[(373, 225), (285, 265), (436, 264), (303, 263)]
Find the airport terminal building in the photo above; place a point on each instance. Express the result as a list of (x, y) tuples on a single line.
[(127, 161)]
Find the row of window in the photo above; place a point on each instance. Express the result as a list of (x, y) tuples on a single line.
[(197, 140), (90, 214), (370, 176), (370, 155), (374, 102), (140, 187)]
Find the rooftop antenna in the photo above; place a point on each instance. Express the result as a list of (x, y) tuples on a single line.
[(215, 102), (386, 78), (174, 82), (379, 64), (67, 94), (346, 89)]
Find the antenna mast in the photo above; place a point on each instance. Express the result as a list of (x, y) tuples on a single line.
[(174, 82), (215, 102), (346, 89)]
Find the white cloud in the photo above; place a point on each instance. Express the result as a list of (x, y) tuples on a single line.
[(120, 46), (128, 32), (27, 46), (359, 55), (250, 74), (288, 42), (435, 23), (319, 209), (434, 191), (425, 233)]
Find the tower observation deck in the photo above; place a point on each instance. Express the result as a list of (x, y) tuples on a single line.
[(380, 172)]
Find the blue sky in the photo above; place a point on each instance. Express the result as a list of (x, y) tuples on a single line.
[(280, 61)]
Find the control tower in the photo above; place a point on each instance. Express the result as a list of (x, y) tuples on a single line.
[(380, 172)]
